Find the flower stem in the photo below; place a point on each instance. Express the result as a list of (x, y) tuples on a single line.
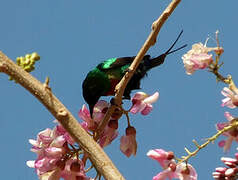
[(214, 68)]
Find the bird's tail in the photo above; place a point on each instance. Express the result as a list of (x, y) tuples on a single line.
[(160, 59)]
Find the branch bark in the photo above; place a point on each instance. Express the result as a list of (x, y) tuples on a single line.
[(100, 160), (96, 154)]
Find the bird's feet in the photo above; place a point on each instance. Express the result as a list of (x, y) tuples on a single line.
[(127, 70)]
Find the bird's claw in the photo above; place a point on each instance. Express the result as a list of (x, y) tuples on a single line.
[(128, 70), (113, 102)]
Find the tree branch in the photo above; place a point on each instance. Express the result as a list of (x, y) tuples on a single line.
[(120, 88), (151, 40), (96, 154), (100, 160), (211, 139)]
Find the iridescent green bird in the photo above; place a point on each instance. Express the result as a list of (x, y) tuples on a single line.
[(102, 80)]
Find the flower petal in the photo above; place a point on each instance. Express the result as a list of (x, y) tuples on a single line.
[(138, 107), (147, 109), (151, 99), (139, 96), (30, 164)]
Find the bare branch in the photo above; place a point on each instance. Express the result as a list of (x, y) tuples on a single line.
[(233, 125), (120, 88)]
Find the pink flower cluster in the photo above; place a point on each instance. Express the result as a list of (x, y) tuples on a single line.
[(56, 160), (171, 170), (141, 102), (231, 134), (110, 132), (53, 156), (231, 101), (198, 57), (227, 173)]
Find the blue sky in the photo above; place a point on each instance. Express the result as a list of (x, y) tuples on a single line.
[(73, 36)]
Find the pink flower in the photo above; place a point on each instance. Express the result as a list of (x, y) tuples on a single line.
[(231, 99), (54, 158), (166, 161), (219, 173), (181, 171), (171, 170), (98, 114), (229, 172), (186, 172), (163, 157), (62, 135), (167, 173), (88, 123), (231, 134), (230, 162), (74, 169), (109, 133), (197, 58), (128, 143), (142, 102), (51, 175), (50, 146), (99, 111)]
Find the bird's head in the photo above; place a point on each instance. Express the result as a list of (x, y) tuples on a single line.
[(91, 107), (91, 100)]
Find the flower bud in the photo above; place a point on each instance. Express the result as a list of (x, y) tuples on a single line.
[(113, 124), (130, 131), (75, 166), (185, 170), (172, 166), (170, 155), (60, 164)]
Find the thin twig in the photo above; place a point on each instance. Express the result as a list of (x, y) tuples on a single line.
[(120, 88), (209, 140), (214, 68)]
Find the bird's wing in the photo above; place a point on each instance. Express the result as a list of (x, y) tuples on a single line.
[(117, 62)]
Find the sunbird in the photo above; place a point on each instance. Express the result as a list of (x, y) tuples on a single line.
[(102, 80)]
